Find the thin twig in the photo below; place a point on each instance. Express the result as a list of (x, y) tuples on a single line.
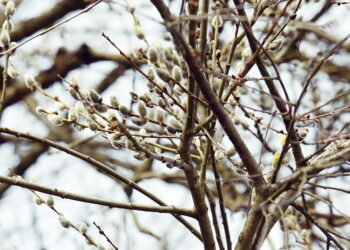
[(103, 168), (51, 28)]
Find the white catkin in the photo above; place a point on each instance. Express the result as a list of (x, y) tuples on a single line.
[(10, 8), (160, 114), (246, 53), (136, 53), (163, 74), (64, 222), (152, 54), (150, 74), (79, 107), (92, 125), (217, 20), (143, 131), (134, 95), (5, 38), (72, 114), (219, 155), (40, 110), (139, 33), (177, 74), (141, 106), (50, 202), (168, 54), (230, 151), (94, 96), (175, 123), (83, 228), (128, 144), (302, 133), (8, 25), (13, 73), (114, 101), (275, 46), (124, 110), (161, 102), (55, 119)]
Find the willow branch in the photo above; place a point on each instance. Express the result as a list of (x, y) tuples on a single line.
[(101, 167), (193, 61), (92, 200)]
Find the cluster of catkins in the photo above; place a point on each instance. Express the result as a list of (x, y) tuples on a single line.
[(7, 26)]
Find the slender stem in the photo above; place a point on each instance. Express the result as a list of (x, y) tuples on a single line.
[(221, 201), (214, 216), (4, 84), (281, 105), (101, 167), (51, 28), (195, 186), (226, 122), (92, 200)]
